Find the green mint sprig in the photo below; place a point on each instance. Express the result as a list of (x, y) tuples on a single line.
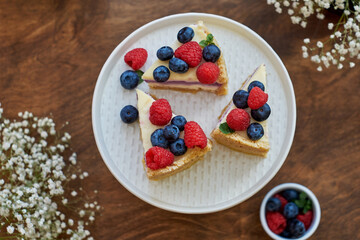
[(140, 73), (304, 202), (224, 128), (209, 40)]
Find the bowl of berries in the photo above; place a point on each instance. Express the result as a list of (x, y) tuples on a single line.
[(290, 211)]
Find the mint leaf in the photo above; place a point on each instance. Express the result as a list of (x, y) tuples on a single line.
[(224, 128), (302, 195), (209, 38), (299, 203), (208, 41), (203, 43), (140, 73)]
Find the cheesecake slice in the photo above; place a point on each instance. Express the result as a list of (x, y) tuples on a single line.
[(180, 163), (239, 140), (188, 81)]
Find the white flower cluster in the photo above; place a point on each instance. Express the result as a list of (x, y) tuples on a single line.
[(33, 175), (342, 43)]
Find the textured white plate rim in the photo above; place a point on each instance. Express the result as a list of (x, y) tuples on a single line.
[(223, 205)]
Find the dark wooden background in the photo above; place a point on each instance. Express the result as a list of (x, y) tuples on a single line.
[(51, 53)]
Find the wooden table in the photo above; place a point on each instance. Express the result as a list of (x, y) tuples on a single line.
[(51, 53)]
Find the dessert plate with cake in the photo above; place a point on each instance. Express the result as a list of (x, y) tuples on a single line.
[(232, 164)]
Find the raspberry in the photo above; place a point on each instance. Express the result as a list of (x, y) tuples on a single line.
[(160, 112), (207, 73), (282, 200), (194, 136), (306, 218), (136, 58), (276, 222), (238, 119), (190, 52), (257, 98), (157, 157)]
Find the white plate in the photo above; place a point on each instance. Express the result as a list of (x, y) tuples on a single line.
[(225, 177)]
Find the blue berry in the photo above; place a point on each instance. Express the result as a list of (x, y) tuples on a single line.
[(171, 133), (290, 195), (165, 53), (256, 84), (179, 121), (161, 74), (296, 228), (158, 139), (129, 79), (291, 210), (286, 233), (240, 98), (255, 131), (262, 113), (178, 65), (273, 204), (211, 53), (129, 114), (185, 34), (178, 147)]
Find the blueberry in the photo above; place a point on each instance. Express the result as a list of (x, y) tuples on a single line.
[(178, 65), (171, 132), (256, 84), (262, 113), (161, 74), (178, 147), (211, 53), (129, 114), (158, 139), (290, 195), (179, 121), (165, 53), (255, 131), (273, 204), (286, 233), (129, 79), (291, 210), (240, 98), (296, 228), (185, 34)]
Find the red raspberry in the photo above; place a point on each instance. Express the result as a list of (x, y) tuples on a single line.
[(194, 136), (136, 58), (257, 98), (189, 52), (238, 119), (306, 218), (157, 157), (276, 222), (207, 73), (282, 200), (160, 112)]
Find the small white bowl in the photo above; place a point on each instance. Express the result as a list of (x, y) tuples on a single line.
[(315, 205)]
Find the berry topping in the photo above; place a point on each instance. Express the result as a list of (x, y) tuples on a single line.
[(158, 139), (290, 194), (306, 218), (282, 200), (257, 98), (194, 136), (179, 121), (290, 210), (178, 147), (129, 114), (255, 131), (136, 58), (129, 79), (238, 119), (171, 132), (161, 74), (296, 228), (273, 204), (240, 98), (208, 73), (185, 35), (276, 222), (211, 53), (189, 52), (157, 157), (165, 53), (160, 112), (286, 233), (256, 84), (262, 113), (177, 65)]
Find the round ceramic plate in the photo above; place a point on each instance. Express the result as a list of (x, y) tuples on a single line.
[(225, 177)]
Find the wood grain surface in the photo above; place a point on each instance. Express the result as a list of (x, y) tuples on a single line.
[(51, 53)]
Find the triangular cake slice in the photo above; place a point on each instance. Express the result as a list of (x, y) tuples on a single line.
[(180, 163), (188, 81), (239, 140)]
